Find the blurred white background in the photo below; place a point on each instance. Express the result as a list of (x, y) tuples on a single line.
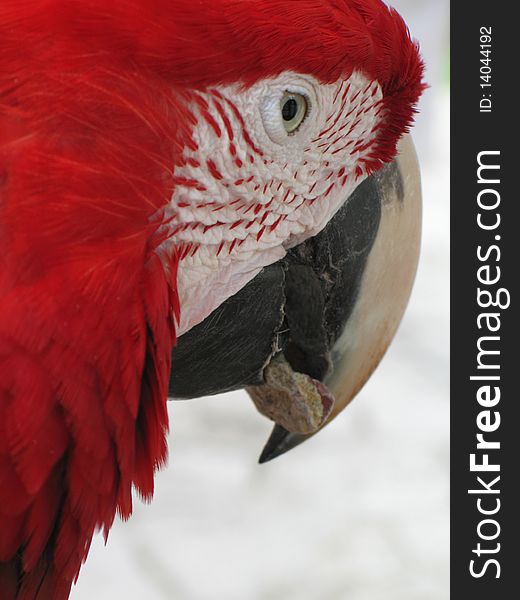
[(360, 512)]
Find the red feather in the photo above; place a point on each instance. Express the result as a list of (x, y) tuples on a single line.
[(92, 123)]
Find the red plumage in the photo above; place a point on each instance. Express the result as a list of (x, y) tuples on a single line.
[(92, 123)]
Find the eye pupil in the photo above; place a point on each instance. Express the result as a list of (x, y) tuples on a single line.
[(294, 109), (290, 109)]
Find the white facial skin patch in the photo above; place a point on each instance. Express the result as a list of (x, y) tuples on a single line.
[(249, 189)]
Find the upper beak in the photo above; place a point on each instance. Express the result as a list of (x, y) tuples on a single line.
[(382, 298)]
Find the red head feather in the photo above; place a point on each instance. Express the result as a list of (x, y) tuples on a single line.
[(92, 122)]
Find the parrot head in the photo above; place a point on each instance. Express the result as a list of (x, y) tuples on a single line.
[(294, 123), (297, 104), (156, 158)]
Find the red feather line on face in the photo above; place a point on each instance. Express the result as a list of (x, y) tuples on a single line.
[(91, 126)]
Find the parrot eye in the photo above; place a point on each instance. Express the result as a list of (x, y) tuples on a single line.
[(294, 109), (285, 108)]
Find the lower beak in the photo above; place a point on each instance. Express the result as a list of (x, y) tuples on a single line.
[(380, 304)]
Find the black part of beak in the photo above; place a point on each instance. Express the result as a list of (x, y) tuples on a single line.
[(280, 441), (230, 348)]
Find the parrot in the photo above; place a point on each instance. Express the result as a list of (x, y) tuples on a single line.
[(164, 164)]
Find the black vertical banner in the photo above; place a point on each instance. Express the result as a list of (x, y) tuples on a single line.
[(485, 476)]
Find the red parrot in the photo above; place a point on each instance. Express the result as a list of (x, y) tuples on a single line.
[(155, 155)]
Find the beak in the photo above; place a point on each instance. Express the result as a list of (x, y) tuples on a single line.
[(307, 332), (379, 306)]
